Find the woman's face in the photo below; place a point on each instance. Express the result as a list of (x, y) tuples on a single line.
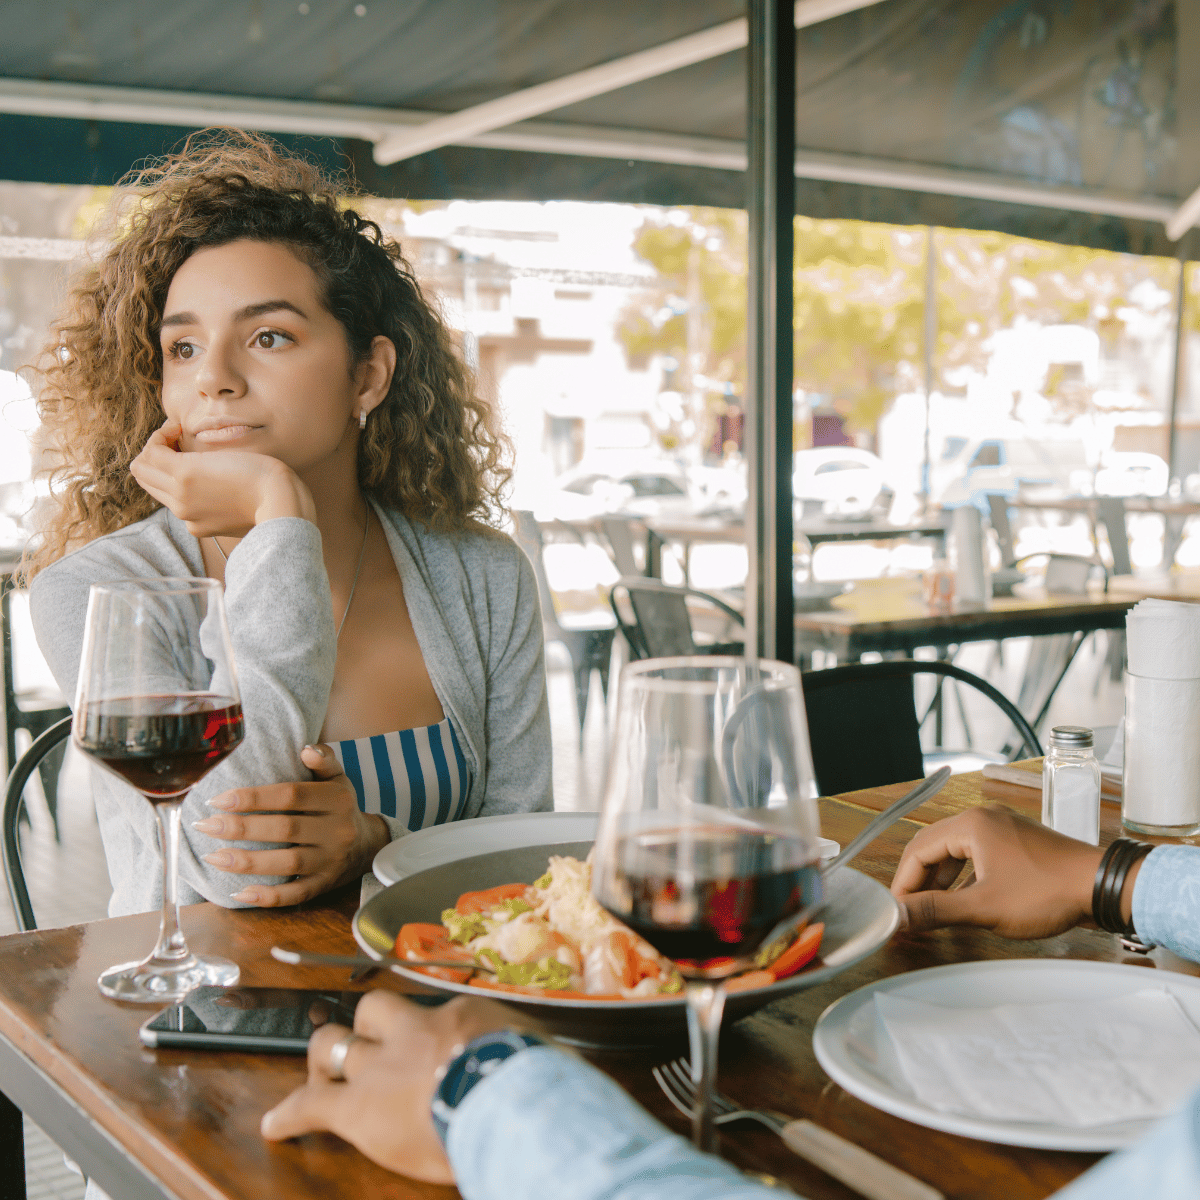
[(252, 359)]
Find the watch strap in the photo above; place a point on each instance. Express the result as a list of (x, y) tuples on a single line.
[(470, 1064)]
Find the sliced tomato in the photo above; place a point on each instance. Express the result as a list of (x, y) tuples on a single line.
[(417, 942), (749, 981), (802, 951), (489, 898)]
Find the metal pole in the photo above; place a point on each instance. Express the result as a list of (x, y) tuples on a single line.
[(771, 204), (1177, 373), (930, 341)]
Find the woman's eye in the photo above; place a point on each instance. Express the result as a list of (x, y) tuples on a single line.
[(181, 350), (271, 339)]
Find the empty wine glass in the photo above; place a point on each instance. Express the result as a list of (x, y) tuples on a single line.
[(158, 705), (708, 837)]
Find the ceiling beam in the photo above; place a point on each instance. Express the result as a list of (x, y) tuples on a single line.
[(594, 81), (144, 106)]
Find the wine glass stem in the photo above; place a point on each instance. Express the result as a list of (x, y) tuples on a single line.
[(705, 1004), (171, 946)]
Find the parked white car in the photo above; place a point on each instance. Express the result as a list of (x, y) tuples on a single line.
[(651, 488), (971, 468), (844, 479), (1132, 473)]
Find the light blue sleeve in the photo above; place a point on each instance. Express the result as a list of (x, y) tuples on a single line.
[(1165, 1164), (545, 1123), (1166, 900)]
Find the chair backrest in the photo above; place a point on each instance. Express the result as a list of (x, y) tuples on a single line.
[(14, 794), (662, 624), (619, 534), (1068, 574), (863, 726), (998, 512), (1111, 510)]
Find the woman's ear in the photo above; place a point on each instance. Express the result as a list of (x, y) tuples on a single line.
[(375, 374)]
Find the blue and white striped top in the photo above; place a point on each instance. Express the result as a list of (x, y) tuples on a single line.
[(417, 775)]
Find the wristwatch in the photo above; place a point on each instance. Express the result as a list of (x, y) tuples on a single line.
[(471, 1063)]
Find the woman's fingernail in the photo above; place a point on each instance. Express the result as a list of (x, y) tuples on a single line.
[(209, 825), (246, 896), (268, 1119), (315, 750), (219, 858), (222, 802)]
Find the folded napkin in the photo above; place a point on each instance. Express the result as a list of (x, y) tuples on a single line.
[(1162, 715), (1066, 1063)]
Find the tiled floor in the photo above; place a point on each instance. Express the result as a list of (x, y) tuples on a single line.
[(1085, 697)]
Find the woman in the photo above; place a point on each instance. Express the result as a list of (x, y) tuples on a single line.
[(251, 386)]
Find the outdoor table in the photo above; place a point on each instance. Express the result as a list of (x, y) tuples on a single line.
[(1174, 585), (889, 614), (684, 531), (152, 1124)]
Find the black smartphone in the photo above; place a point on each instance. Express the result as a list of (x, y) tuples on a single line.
[(260, 1020)]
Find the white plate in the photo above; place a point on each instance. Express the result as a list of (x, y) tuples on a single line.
[(481, 835), (855, 1053)]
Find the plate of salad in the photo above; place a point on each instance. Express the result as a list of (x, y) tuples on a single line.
[(528, 932)]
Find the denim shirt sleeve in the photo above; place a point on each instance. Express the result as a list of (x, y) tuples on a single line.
[(1164, 1164), (1166, 900), (545, 1123)]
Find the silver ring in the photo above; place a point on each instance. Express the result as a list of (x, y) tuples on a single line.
[(336, 1068)]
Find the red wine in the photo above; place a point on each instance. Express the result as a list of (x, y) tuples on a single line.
[(162, 744), (734, 888)]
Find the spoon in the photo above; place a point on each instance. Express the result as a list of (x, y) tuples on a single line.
[(307, 958), (889, 816)]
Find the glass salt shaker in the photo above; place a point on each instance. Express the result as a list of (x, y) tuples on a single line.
[(1071, 784)]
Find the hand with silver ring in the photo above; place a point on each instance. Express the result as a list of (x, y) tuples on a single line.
[(383, 1106), (336, 1070)]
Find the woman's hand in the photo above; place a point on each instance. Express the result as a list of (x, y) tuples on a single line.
[(382, 1107), (1030, 882), (219, 491), (331, 841)]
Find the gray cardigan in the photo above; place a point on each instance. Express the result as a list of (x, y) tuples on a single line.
[(473, 603)]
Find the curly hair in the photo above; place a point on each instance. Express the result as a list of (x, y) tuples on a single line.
[(430, 449)]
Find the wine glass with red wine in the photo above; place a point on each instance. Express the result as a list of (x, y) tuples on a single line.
[(158, 706), (708, 837)]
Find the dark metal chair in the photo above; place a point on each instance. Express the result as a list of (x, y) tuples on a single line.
[(31, 711), (864, 727), (662, 624), (47, 743)]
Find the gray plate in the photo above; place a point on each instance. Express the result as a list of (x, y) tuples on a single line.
[(860, 917)]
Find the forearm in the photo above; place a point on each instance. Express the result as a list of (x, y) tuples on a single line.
[(546, 1123)]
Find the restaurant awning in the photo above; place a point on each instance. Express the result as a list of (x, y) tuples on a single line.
[(1071, 122)]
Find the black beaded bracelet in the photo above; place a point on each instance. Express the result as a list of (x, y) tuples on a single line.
[(1111, 875)]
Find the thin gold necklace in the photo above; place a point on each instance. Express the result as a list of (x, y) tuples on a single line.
[(357, 571)]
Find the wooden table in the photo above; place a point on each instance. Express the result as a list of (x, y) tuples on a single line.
[(889, 615), (1173, 585), (148, 1124)]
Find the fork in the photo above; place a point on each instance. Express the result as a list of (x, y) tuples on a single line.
[(857, 1168)]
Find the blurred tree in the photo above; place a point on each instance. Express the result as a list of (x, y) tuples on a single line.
[(859, 310), (858, 306)]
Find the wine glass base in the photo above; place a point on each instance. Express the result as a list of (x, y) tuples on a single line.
[(157, 981)]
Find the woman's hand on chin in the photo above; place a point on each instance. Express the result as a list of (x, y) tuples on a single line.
[(330, 840), (220, 491)]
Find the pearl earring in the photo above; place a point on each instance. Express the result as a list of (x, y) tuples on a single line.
[(362, 418)]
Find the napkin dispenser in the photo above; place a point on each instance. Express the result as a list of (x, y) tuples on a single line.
[(1161, 772)]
